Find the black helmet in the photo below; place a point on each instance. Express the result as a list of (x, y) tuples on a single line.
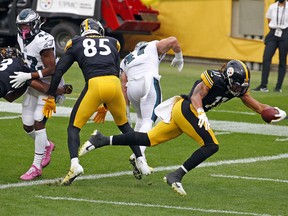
[(32, 19), (237, 75), (91, 26), (9, 52)]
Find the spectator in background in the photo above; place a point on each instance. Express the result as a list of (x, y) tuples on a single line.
[(277, 37), (141, 83)]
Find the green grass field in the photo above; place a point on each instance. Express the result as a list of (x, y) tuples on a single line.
[(247, 176)]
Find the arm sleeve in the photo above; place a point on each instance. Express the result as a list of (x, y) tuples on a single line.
[(63, 65)]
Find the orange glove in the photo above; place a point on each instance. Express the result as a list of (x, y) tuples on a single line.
[(49, 106), (101, 113)]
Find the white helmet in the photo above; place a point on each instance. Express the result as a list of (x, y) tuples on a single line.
[(32, 19)]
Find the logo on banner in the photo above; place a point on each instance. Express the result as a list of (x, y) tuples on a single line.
[(46, 4)]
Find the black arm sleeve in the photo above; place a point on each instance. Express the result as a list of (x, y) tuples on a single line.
[(63, 65)]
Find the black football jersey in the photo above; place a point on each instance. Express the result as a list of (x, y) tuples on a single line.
[(7, 68), (218, 92), (96, 55)]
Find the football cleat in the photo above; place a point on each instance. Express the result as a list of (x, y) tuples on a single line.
[(85, 148), (136, 172), (73, 173), (143, 166), (98, 140), (47, 154), (31, 174), (172, 180)]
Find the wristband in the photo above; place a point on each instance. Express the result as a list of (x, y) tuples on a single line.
[(179, 55), (40, 74), (200, 110)]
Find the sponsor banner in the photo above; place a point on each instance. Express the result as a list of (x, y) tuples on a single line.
[(82, 8)]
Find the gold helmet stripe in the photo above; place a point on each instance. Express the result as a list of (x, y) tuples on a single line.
[(246, 71)]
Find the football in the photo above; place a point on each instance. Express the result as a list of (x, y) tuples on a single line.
[(268, 114)]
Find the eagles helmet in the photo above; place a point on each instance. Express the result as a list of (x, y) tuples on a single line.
[(139, 44), (91, 26), (28, 17), (9, 52), (237, 75)]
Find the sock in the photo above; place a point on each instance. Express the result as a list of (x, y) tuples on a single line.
[(40, 144), (47, 143), (74, 161), (31, 134)]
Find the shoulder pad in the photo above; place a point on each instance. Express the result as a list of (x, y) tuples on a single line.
[(207, 79), (68, 45), (118, 46)]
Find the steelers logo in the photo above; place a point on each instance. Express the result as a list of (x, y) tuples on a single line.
[(45, 4), (230, 71)]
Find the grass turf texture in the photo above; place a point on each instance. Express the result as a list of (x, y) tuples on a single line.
[(124, 195)]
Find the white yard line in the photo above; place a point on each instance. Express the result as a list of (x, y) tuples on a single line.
[(248, 178), (226, 126), (150, 205), (156, 169)]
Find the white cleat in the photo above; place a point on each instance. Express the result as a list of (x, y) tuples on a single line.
[(143, 166), (85, 148), (73, 173)]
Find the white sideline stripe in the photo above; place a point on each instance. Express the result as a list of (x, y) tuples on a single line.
[(281, 139), (156, 169), (227, 126), (10, 117), (248, 178), (150, 205)]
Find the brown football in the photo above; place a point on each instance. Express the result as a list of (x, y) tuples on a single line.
[(268, 114)]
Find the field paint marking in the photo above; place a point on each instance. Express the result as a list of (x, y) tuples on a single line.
[(248, 178), (10, 117), (281, 139), (226, 126), (150, 205), (156, 169)]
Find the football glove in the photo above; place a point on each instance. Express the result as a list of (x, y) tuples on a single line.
[(19, 79), (280, 116), (178, 61), (49, 106), (101, 113), (203, 120), (68, 88)]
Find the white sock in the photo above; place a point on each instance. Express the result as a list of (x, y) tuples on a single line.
[(74, 161), (47, 143), (40, 144), (31, 134)]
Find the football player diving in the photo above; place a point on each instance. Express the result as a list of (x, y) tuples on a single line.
[(187, 114)]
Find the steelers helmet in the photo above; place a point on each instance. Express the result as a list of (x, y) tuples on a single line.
[(29, 18), (237, 75), (139, 44), (9, 52), (91, 26)]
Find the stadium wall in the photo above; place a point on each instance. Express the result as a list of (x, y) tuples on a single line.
[(203, 28)]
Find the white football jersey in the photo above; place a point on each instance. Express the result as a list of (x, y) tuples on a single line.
[(31, 51), (143, 61)]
